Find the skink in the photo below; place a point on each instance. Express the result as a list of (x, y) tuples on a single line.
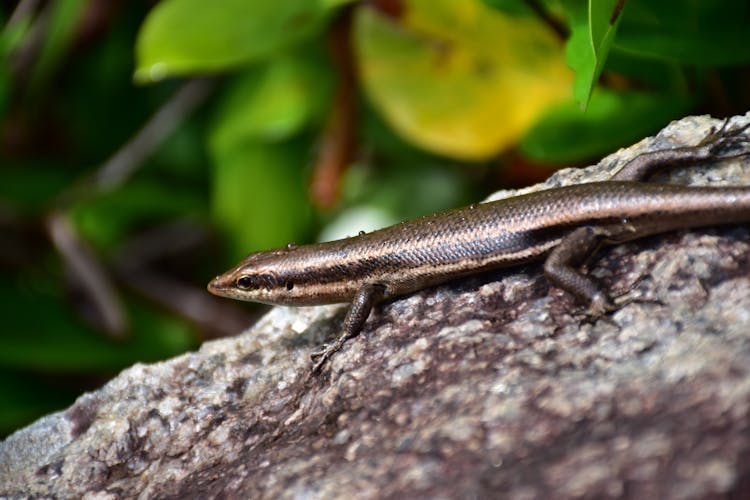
[(565, 225)]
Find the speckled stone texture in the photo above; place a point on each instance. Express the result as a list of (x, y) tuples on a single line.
[(493, 386)]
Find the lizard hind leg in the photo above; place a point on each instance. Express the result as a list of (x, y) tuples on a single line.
[(580, 244)]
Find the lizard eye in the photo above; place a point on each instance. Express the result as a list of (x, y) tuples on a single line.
[(289, 285), (247, 282)]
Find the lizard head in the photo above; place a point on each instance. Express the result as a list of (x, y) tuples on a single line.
[(260, 277), (282, 276)]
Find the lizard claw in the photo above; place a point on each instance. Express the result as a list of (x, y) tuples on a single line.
[(598, 309), (627, 297), (322, 348), (602, 306), (319, 356), (324, 353), (725, 137)]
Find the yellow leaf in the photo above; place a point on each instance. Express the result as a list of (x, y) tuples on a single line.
[(459, 78)]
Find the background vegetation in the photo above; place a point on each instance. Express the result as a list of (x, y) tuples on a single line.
[(146, 147)]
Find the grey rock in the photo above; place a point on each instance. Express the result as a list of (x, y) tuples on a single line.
[(492, 386)]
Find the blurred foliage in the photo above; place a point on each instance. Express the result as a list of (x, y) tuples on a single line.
[(252, 123), (445, 71)]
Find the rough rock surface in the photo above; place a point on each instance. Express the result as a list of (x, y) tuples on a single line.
[(491, 386)]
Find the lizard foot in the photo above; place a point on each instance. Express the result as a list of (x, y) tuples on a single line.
[(724, 138)]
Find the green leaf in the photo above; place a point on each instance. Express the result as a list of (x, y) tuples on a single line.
[(654, 74), (194, 36), (511, 7), (259, 195), (272, 102), (458, 78), (696, 32), (566, 134), (592, 32), (330, 4)]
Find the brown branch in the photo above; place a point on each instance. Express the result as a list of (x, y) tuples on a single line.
[(23, 9), (560, 29), (144, 143), (89, 273), (338, 140)]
